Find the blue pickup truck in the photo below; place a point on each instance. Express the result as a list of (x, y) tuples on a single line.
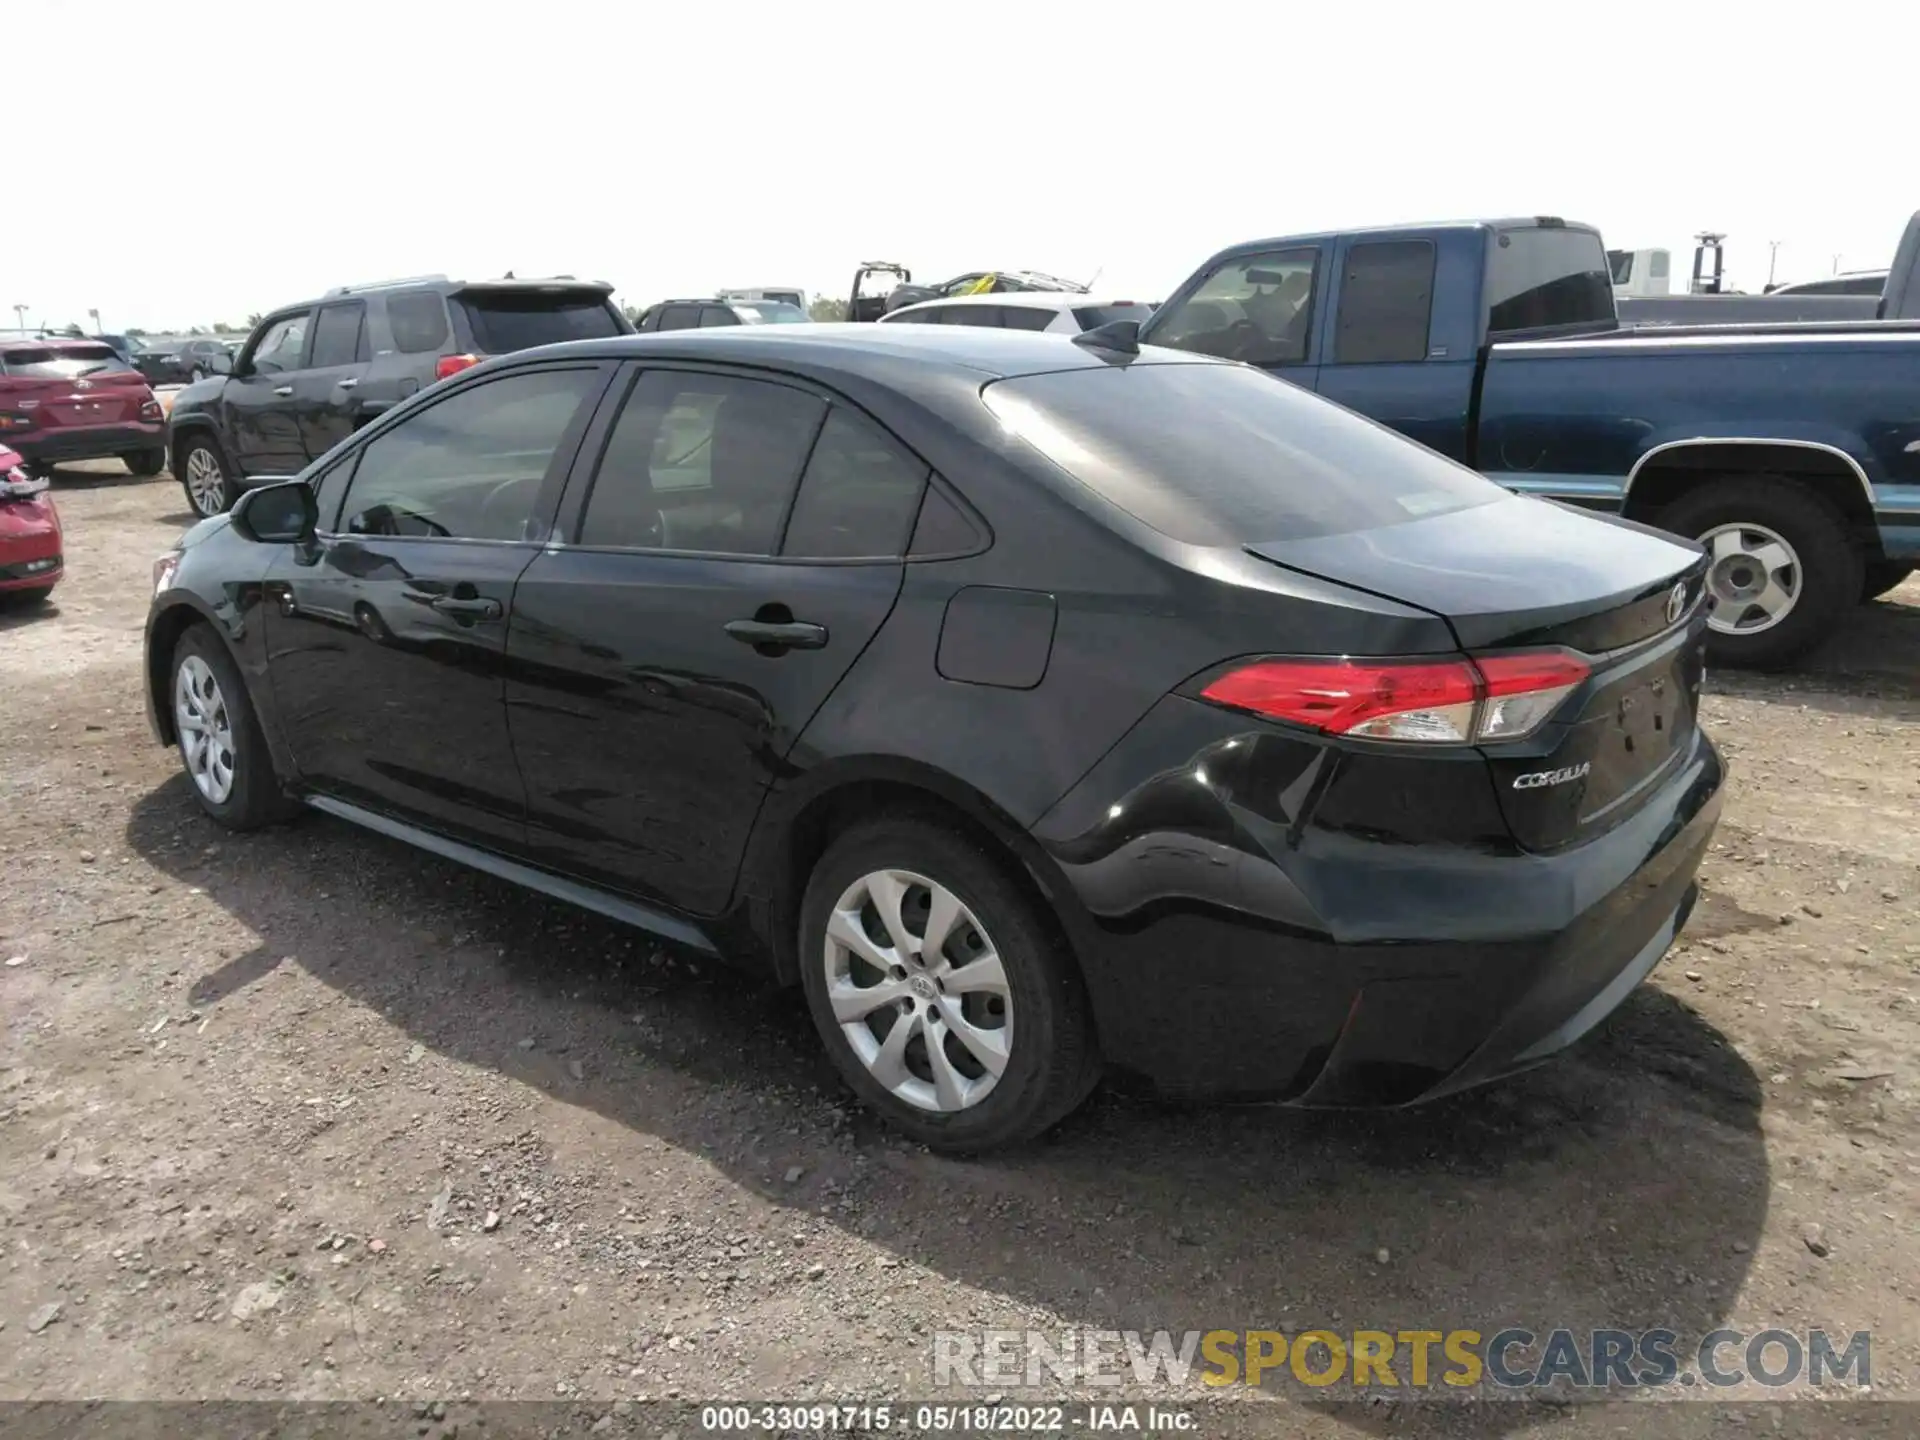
[(1792, 452)]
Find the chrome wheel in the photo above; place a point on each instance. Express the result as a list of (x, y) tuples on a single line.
[(918, 990), (1754, 578), (205, 727), (206, 486)]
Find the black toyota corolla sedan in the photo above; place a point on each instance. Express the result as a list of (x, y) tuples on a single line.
[(1035, 705)]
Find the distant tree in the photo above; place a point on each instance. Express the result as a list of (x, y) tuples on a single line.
[(827, 309), (253, 319), (633, 313), (134, 332)]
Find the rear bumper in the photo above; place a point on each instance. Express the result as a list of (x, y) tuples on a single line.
[(40, 572), (87, 442), (1243, 946)]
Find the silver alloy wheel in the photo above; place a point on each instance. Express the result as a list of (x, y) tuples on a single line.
[(206, 486), (918, 990), (205, 727), (1754, 578)]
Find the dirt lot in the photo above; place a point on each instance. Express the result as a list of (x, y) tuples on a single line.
[(308, 1114)]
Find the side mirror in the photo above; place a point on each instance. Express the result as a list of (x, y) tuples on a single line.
[(220, 363), (283, 514)]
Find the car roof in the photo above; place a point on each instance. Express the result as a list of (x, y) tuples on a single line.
[(1516, 222), (1029, 299), (869, 351)]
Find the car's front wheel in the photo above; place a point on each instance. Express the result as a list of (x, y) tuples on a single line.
[(145, 463), (221, 745), (944, 998), (204, 476)]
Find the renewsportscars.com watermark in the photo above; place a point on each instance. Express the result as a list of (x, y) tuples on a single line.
[(1508, 1360)]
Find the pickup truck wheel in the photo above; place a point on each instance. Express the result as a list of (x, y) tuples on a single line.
[(203, 475), (1782, 570), (1881, 576)]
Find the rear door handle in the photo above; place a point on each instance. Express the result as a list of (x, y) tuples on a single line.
[(475, 609), (283, 389), (788, 635), (348, 383)]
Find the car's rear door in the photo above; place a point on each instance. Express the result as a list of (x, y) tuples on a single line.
[(727, 548), (388, 643), (326, 390)]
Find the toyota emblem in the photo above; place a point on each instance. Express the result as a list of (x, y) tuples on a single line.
[(1677, 602)]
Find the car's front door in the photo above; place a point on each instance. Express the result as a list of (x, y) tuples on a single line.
[(386, 644), (326, 398), (706, 589), (258, 398)]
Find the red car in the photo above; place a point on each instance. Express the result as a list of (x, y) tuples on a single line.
[(30, 563), (78, 400)]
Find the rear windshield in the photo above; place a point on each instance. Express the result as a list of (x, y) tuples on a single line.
[(505, 322), (66, 363), (1538, 278), (1229, 455), (1092, 317)]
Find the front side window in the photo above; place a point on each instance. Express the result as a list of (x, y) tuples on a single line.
[(284, 342), (701, 462), (339, 336), (932, 315), (470, 466), (1257, 309), (1386, 303), (712, 315)]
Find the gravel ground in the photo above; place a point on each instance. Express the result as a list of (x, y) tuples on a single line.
[(310, 1115)]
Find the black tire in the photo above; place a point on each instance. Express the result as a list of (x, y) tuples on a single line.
[(1053, 1062), (146, 463), (255, 798), (220, 498), (1828, 562), (1880, 576)]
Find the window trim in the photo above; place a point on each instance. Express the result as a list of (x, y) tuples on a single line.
[(547, 497), (563, 532), (1340, 300)]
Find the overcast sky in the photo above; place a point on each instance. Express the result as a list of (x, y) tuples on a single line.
[(192, 162)]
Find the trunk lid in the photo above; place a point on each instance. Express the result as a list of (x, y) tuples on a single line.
[(1528, 574)]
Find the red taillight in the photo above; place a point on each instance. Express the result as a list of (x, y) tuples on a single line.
[(453, 365), (150, 411), (1457, 702)]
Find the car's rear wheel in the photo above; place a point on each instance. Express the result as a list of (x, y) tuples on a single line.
[(204, 475), (146, 462), (219, 737), (1782, 569), (1880, 576), (943, 996)]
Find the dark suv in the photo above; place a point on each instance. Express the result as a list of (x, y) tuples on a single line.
[(311, 374), (702, 314)]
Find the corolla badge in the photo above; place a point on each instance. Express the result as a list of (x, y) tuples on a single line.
[(1541, 778), (1676, 602)]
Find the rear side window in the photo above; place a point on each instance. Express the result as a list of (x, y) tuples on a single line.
[(932, 315), (1540, 278), (859, 495), (985, 316), (1226, 455), (712, 315), (1026, 317), (470, 466), (701, 462), (339, 336), (418, 321), (679, 317), (1092, 317), (1386, 302), (1258, 309), (505, 321)]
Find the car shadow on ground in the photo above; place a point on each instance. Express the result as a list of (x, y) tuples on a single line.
[(1625, 1185), (65, 477), (1874, 656)]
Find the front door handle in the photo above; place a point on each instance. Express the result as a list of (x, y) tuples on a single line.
[(778, 634), (466, 609), (283, 389), (348, 383)]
